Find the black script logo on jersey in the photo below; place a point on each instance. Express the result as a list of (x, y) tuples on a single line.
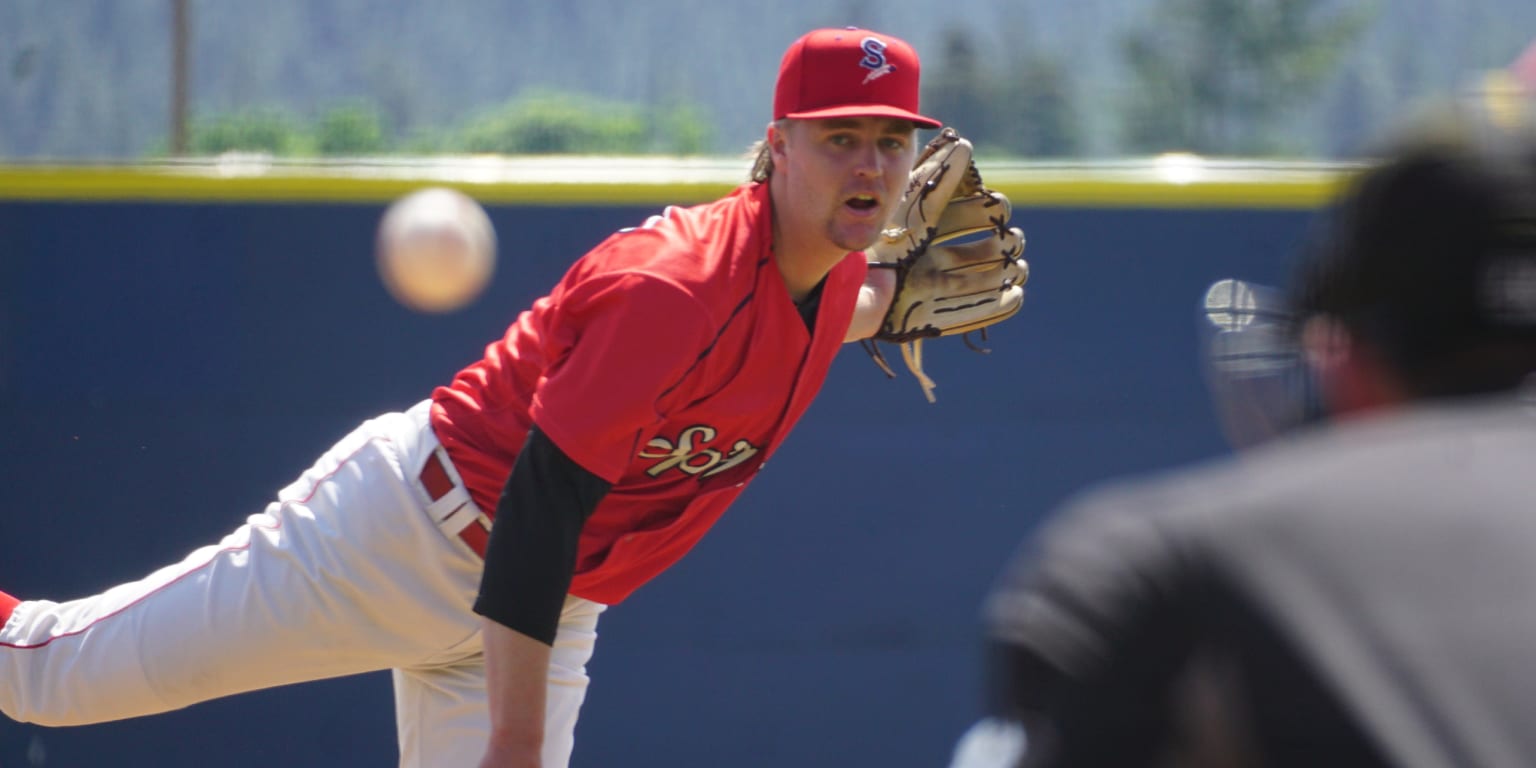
[(690, 455)]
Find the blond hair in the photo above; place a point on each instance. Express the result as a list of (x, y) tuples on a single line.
[(761, 153)]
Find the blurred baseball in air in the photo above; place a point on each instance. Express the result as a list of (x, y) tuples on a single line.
[(436, 250)]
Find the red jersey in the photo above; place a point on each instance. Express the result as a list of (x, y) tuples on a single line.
[(668, 361)]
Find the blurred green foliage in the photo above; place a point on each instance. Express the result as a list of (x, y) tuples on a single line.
[(250, 130), (1019, 104), (550, 123), (92, 79), (351, 130), (542, 122), (1218, 77)]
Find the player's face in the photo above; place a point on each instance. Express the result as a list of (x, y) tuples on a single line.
[(843, 177)]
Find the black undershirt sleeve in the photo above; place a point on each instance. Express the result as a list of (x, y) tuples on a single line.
[(532, 551)]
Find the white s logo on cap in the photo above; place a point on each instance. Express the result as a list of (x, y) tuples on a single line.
[(874, 59)]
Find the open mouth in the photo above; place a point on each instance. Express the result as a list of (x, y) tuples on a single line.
[(863, 202)]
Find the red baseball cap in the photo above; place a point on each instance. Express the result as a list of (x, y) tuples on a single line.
[(849, 72)]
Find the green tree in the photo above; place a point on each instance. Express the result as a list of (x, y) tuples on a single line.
[(548, 122), (252, 130), (1037, 110), (683, 129), (959, 90), (350, 130), (1020, 104), (1219, 76)]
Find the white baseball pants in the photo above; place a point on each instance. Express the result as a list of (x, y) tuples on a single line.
[(347, 572)]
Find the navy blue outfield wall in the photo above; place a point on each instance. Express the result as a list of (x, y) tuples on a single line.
[(165, 367)]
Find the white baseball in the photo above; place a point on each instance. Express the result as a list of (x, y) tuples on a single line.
[(436, 250)]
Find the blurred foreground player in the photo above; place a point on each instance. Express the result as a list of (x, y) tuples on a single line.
[(1358, 591)]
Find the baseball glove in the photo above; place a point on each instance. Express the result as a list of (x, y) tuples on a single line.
[(959, 266)]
